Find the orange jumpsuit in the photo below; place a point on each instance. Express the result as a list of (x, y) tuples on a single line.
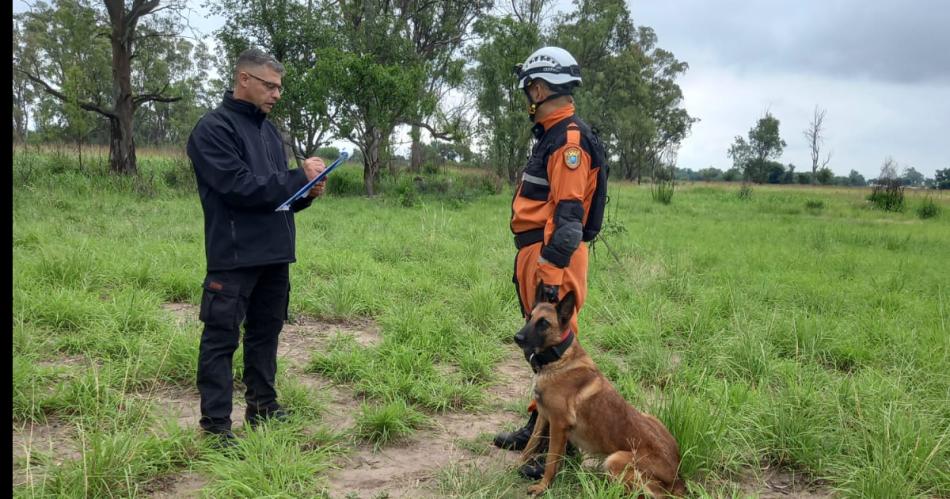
[(570, 177)]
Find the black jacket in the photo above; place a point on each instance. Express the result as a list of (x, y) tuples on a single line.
[(242, 173)]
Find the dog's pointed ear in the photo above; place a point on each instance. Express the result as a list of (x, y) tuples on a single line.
[(539, 293), (565, 308)]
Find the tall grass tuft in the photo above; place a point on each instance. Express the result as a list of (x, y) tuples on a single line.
[(269, 462), (745, 192), (888, 195), (662, 190), (814, 205), (118, 464), (382, 424), (928, 208)]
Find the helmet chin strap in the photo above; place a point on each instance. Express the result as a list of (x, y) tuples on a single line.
[(533, 106)]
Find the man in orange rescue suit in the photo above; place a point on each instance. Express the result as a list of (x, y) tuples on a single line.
[(558, 205)]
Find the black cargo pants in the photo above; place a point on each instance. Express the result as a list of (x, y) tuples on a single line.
[(258, 297)]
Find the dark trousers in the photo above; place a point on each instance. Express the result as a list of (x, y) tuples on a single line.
[(258, 297)]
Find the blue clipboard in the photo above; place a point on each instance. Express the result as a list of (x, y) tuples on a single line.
[(303, 190)]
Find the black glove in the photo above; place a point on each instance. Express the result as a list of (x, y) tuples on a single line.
[(547, 293)]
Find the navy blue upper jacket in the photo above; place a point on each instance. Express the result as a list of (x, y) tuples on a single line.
[(242, 173)]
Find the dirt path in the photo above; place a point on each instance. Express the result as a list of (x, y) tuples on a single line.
[(406, 469), (399, 470)]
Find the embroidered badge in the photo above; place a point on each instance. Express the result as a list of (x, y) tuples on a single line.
[(572, 157)]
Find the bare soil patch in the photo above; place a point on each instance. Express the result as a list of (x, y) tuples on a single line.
[(54, 441), (780, 483), (406, 469), (187, 484)]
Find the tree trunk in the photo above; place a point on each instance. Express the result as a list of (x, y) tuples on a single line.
[(122, 144), (415, 156), (121, 141), (371, 161)]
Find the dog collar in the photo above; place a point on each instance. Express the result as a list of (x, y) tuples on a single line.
[(543, 358)]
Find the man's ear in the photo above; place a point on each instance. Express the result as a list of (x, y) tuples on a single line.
[(565, 308)]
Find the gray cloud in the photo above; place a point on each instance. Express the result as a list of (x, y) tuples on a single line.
[(884, 40)]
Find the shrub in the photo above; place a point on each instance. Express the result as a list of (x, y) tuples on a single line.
[(662, 191), (888, 195), (745, 192), (180, 175), (406, 192), (430, 168), (928, 209), (345, 181), (489, 183), (812, 204)]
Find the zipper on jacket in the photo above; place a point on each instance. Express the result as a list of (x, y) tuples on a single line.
[(234, 239)]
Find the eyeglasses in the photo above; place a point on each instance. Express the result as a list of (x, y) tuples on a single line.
[(269, 85)]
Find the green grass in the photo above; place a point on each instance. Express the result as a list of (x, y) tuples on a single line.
[(797, 328), (279, 460), (390, 422)]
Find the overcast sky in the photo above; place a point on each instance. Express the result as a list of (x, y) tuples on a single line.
[(880, 68)]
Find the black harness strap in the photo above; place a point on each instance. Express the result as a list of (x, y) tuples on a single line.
[(529, 237)]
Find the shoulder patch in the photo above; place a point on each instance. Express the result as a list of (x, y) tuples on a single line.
[(572, 157)]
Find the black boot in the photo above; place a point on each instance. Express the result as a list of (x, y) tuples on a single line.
[(255, 416), (534, 468), (221, 438), (518, 439)]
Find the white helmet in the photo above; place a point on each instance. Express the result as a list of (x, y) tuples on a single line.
[(551, 64)]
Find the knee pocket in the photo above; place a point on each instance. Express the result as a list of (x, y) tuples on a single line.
[(220, 305)]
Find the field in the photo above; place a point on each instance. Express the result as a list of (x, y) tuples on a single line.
[(795, 342)]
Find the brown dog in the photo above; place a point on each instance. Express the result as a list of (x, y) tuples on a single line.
[(577, 403)]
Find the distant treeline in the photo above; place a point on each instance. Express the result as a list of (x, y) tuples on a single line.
[(440, 70)]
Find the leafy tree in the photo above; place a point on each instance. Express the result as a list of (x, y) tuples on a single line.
[(825, 176), (912, 177), (776, 172), (942, 178), (789, 177), (501, 105), (629, 90), (710, 173), (305, 38), (60, 44), (23, 93), (69, 32), (732, 174), (79, 122), (855, 179), (437, 30), (187, 66), (764, 144), (379, 81)]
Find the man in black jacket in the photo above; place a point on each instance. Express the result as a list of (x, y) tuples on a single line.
[(242, 174)]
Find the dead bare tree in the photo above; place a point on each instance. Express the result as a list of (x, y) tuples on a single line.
[(814, 135)]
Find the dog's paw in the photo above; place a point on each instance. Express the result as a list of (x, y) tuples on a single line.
[(537, 489)]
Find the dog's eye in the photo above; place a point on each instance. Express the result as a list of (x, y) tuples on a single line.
[(541, 324)]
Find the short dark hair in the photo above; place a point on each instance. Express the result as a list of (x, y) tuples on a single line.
[(562, 88), (253, 57)]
